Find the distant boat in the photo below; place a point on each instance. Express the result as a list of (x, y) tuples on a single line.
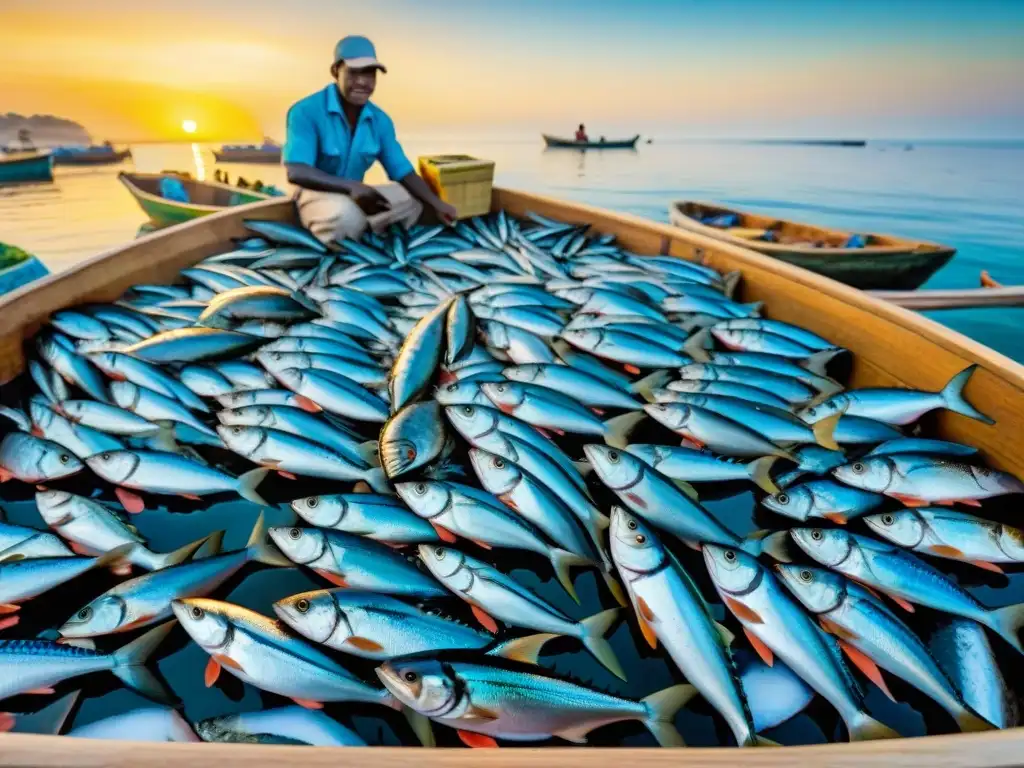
[(18, 268), (268, 152), (556, 142), (102, 154), (866, 261), (204, 197), (817, 142), (17, 167)]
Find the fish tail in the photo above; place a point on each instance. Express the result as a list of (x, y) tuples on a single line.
[(645, 387), (261, 550), (756, 740), (594, 641), (759, 471), (212, 544), (863, 727), (129, 661), (953, 397), (615, 588), (247, 485), (817, 362), (1007, 622), (561, 562), (970, 722), (163, 439), (764, 542), (698, 344), (370, 452), (583, 467), (180, 555), (824, 429), (421, 726), (115, 557), (377, 480), (661, 711), (730, 282), (619, 428), (525, 649)]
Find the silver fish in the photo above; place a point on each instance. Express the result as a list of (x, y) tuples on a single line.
[(34, 460), (412, 438), (381, 518), (282, 725)]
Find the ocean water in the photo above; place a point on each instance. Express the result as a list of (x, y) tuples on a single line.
[(969, 195)]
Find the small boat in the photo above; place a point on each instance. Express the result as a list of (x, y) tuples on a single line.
[(18, 167), (991, 293), (102, 154), (202, 197), (18, 268), (556, 142), (268, 152), (867, 261)]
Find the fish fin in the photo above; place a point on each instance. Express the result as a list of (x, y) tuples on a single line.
[(369, 452), (307, 405), (5, 475), (661, 712), (561, 562), (335, 578), (129, 661), (181, 554), (817, 362), (615, 589), (697, 345), (824, 429), (227, 661), (836, 517), (485, 620), (756, 740), (867, 666), (508, 501), (81, 549), (213, 545), (7, 722), (688, 490), (909, 501), (287, 475), (480, 713), (507, 409), (481, 544), (526, 649), (364, 644), (597, 411), (190, 496), (9, 621), (420, 725), (131, 502), (212, 672), (969, 722), (308, 703), (691, 442), (762, 650), (772, 543), (986, 566), (730, 282), (36, 431), (543, 432), (618, 429), (361, 487), (39, 692), (12, 558), (7, 608), (953, 397), (759, 471), (1007, 622), (645, 387), (835, 629), (945, 550), (477, 740), (260, 548), (247, 485), (902, 603), (583, 467), (727, 636), (163, 439), (377, 480), (644, 610), (636, 499), (139, 622), (114, 558), (863, 727), (577, 734), (965, 502), (443, 533), (594, 629)]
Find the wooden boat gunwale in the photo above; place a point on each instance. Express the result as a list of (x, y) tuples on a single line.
[(892, 347), (128, 179)]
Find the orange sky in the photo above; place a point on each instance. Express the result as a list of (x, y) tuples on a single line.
[(133, 71)]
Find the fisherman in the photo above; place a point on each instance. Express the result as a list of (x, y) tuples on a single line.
[(581, 133), (334, 136)]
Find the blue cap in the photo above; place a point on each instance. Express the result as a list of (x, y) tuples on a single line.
[(357, 52)]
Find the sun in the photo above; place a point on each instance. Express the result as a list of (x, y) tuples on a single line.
[(188, 126)]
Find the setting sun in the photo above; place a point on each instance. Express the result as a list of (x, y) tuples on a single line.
[(188, 126)]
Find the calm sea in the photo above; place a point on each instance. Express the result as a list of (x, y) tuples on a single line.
[(965, 194)]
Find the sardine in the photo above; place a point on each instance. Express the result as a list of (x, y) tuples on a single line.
[(282, 725), (34, 460)]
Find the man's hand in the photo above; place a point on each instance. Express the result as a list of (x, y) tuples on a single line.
[(369, 199), (446, 212)]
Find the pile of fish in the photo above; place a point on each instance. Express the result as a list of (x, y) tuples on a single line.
[(443, 406)]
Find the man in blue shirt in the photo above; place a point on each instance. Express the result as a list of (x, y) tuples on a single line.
[(334, 136)]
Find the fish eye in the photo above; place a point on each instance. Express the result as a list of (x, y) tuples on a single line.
[(631, 524), (782, 498), (499, 463), (439, 553), (410, 677), (858, 468), (420, 488), (806, 576), (452, 387), (410, 453), (729, 556), (197, 612), (468, 410), (640, 538), (105, 457), (817, 535), (295, 533), (64, 458), (888, 519), (275, 355), (312, 501), (302, 605), (811, 411), (500, 387), (236, 430), (85, 614), (613, 457)]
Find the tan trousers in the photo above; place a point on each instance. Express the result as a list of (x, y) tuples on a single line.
[(336, 216)]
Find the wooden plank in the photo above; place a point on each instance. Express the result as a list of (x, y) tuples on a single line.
[(1006, 296)]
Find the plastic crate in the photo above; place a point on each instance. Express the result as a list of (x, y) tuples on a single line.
[(461, 180)]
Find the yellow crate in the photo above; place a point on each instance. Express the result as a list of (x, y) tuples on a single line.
[(461, 180)]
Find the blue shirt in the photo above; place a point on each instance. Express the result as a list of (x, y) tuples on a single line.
[(319, 135)]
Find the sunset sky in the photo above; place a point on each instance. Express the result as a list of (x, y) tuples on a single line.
[(132, 70)]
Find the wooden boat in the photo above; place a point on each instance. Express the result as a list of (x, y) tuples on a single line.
[(18, 167), (205, 197), (18, 268), (891, 347), (98, 155), (556, 142), (883, 261), (268, 152)]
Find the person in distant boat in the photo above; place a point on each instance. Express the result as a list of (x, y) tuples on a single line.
[(334, 136), (581, 133)]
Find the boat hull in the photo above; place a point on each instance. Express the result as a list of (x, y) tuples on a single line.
[(556, 142), (18, 268), (26, 168), (91, 158), (895, 265), (164, 213), (247, 156)]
